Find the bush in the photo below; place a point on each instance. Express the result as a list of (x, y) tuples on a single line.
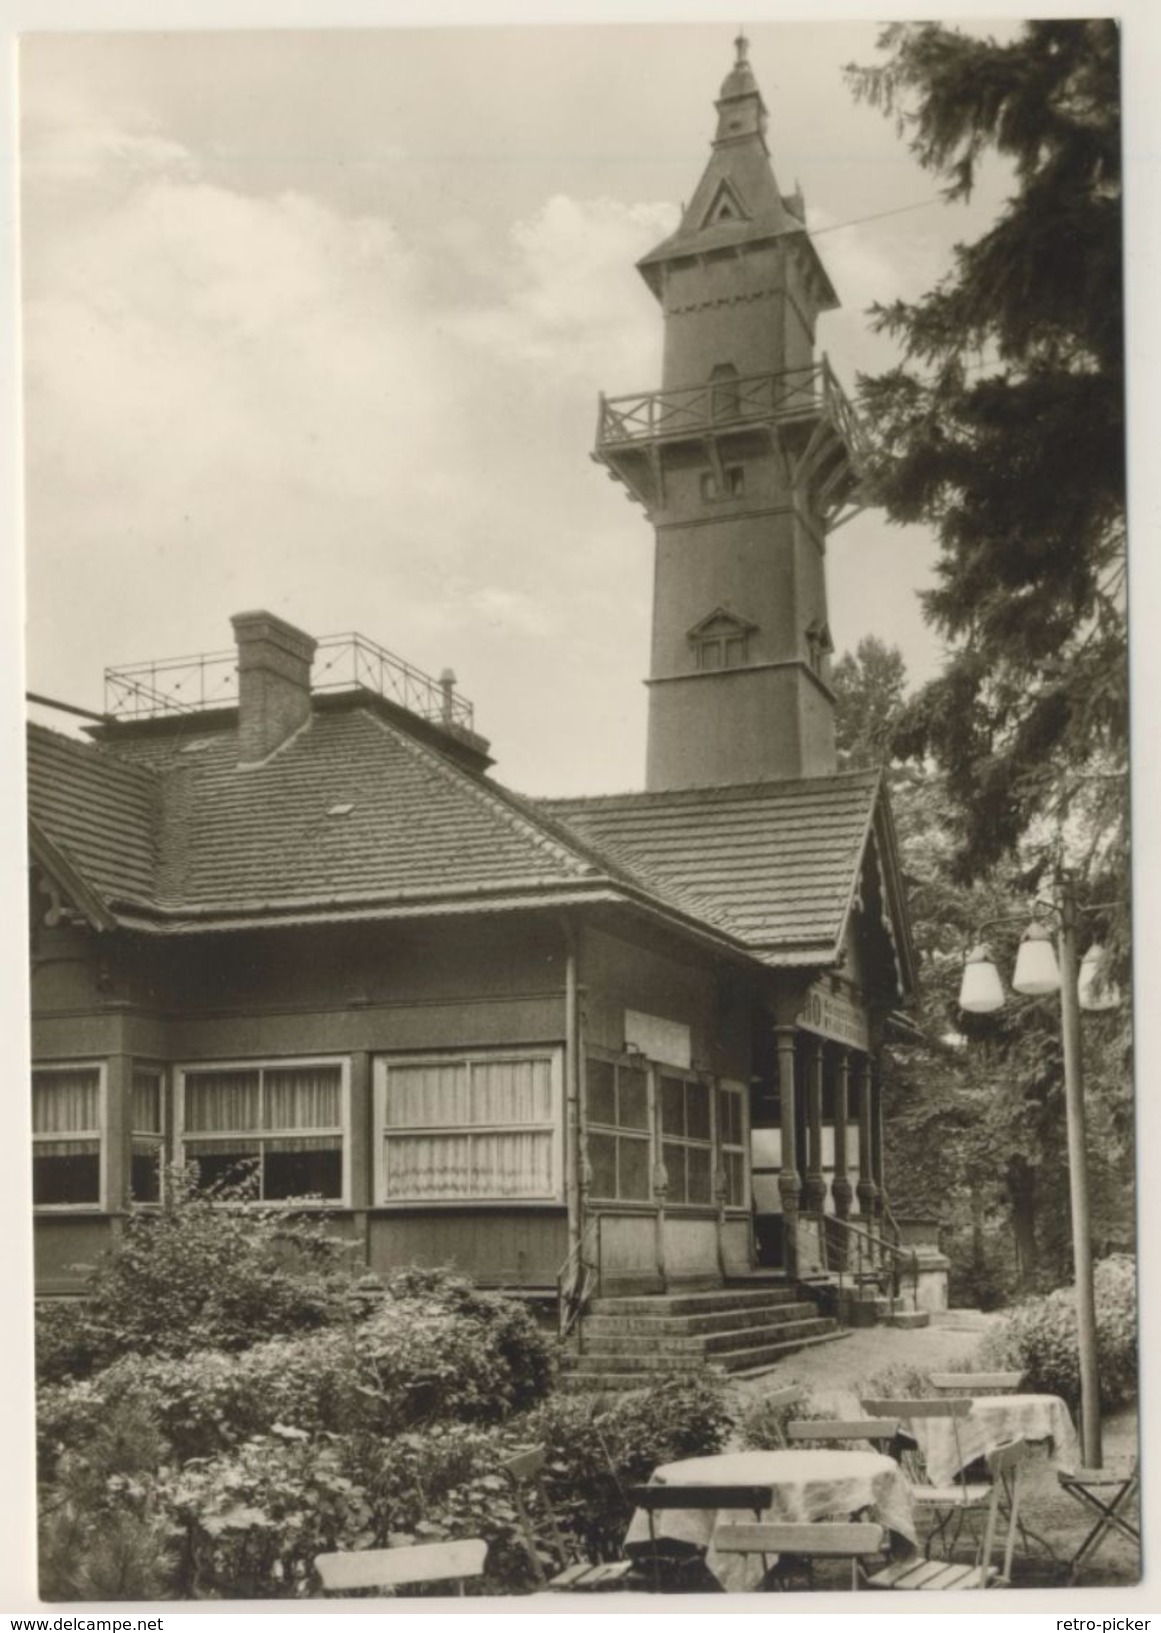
[(202, 1272), (1039, 1338), (434, 1350)]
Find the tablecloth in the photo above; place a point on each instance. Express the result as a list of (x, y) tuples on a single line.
[(807, 1484), (949, 1446)]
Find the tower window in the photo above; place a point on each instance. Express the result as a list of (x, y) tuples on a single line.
[(735, 483), (721, 641)]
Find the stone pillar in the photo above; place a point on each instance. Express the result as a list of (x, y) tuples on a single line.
[(866, 1189), (814, 1189), (841, 1185), (789, 1185)]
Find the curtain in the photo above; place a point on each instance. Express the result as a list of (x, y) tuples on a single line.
[(441, 1167), (221, 1102), (147, 1103), (68, 1102), (302, 1097)]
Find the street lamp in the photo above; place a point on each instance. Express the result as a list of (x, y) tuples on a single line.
[(1038, 973)]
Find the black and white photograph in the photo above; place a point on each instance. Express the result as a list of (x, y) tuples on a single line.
[(580, 935)]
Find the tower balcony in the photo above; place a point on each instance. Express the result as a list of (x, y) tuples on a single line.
[(802, 415)]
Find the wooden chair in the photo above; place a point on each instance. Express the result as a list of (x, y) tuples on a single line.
[(542, 1536), (820, 1539), (882, 1432), (392, 1568), (1108, 1492), (777, 1403), (1005, 1465), (944, 1504), (668, 1498), (976, 1383)]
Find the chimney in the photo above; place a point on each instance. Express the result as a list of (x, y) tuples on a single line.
[(274, 662)]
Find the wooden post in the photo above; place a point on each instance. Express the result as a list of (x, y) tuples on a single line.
[(814, 1189), (876, 1087), (841, 1185), (361, 1135), (865, 1190), (1090, 1409), (789, 1185)]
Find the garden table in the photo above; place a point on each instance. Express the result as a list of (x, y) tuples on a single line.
[(806, 1484), (951, 1445)]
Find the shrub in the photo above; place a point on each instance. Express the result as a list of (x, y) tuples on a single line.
[(202, 1272), (1039, 1337)]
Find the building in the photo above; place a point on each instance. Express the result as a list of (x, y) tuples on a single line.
[(627, 1041)]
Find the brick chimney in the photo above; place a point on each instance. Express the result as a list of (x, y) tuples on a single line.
[(274, 662)]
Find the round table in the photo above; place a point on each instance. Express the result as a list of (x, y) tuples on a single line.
[(806, 1484), (950, 1445)]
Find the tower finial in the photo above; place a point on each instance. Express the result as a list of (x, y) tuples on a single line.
[(742, 47)]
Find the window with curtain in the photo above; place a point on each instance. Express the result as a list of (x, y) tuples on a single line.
[(66, 1136), (732, 1141), (467, 1128), (617, 1118), (147, 1135), (282, 1123), (686, 1113)]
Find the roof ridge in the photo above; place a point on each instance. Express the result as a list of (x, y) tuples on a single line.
[(485, 795), (722, 792)]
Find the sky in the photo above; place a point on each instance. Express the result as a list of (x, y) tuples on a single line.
[(317, 321)]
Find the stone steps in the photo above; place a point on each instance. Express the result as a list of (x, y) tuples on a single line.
[(700, 1303), (692, 1326), (610, 1382), (730, 1351)]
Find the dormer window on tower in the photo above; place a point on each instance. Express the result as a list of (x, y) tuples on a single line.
[(721, 641), (819, 645)]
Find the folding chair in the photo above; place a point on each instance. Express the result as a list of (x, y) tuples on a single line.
[(883, 1432), (668, 1498), (819, 1539), (394, 1568), (542, 1536), (1108, 1491), (943, 1503), (976, 1383), (1005, 1465), (778, 1402)]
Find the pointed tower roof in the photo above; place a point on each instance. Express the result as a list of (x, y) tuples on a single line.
[(737, 200)]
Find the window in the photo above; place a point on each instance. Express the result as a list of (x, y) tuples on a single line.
[(285, 1122), (687, 1138), (732, 1142), (147, 1136), (67, 1117), (735, 483), (721, 641), (468, 1128), (617, 1112)]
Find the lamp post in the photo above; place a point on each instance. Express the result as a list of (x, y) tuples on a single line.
[(1037, 973)]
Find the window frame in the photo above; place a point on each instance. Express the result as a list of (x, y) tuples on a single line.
[(685, 1140), (646, 1136), (152, 1069), (101, 1067), (267, 1063), (381, 1067), (730, 1086)]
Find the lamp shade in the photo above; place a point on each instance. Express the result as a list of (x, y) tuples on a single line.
[(1094, 988), (981, 991), (1036, 969)]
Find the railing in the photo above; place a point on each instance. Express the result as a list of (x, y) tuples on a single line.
[(579, 1278), (885, 1263), (210, 679), (762, 398)]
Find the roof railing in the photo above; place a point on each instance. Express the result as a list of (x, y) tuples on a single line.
[(209, 680)]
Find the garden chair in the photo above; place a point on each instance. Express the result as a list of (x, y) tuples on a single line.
[(778, 1402), (943, 1503), (820, 1539), (881, 1432), (669, 1498), (1005, 1466), (1108, 1492), (976, 1383), (393, 1568), (542, 1537)]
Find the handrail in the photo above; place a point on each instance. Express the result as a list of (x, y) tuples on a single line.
[(674, 410), (578, 1278), (871, 1250)]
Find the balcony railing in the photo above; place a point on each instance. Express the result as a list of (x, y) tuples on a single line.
[(209, 680), (797, 394)]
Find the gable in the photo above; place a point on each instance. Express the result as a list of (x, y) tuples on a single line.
[(724, 205)]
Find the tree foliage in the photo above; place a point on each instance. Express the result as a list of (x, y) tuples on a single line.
[(1003, 429)]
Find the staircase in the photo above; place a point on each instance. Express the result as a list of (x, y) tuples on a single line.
[(624, 1343)]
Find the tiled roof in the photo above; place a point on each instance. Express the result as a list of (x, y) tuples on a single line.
[(96, 809), (774, 864), (354, 816)]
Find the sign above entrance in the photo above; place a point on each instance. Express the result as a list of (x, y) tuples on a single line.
[(834, 1016), (667, 1042)]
